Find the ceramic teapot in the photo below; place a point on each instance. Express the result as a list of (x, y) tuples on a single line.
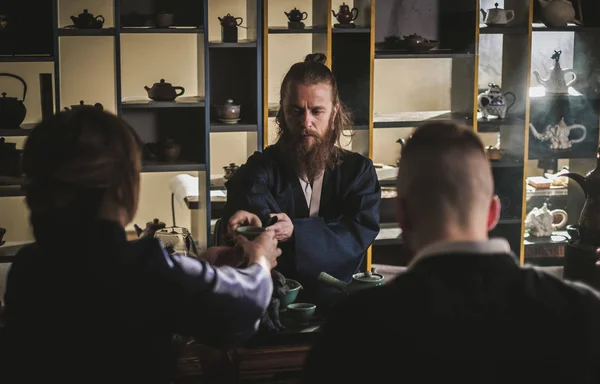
[(345, 14), (230, 170), (557, 13), (556, 82), (229, 110), (360, 281), (540, 221), (295, 15), (558, 134), (164, 91), (12, 110), (87, 20), (229, 21), (497, 16), (82, 105), (588, 226), (493, 102)]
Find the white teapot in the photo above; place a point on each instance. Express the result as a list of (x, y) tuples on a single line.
[(558, 134), (497, 16), (540, 221)]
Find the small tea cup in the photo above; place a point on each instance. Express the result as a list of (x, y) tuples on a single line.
[(301, 313), (249, 231)]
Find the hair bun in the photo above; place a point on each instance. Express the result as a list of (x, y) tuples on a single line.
[(319, 58)]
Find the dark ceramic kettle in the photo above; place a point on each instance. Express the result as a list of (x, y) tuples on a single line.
[(164, 91), (229, 21), (345, 15), (12, 110), (295, 15), (589, 219), (87, 20)]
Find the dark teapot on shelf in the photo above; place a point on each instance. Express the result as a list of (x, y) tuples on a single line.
[(82, 105), (87, 20), (164, 91), (12, 110), (295, 15), (345, 14), (229, 21)]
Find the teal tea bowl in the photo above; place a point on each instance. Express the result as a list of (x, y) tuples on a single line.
[(301, 313), (250, 232), (290, 297)]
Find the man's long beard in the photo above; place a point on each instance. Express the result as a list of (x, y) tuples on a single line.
[(307, 162)]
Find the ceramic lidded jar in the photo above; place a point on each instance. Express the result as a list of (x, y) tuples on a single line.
[(229, 110)]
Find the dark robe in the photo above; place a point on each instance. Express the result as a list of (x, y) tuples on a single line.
[(336, 240)]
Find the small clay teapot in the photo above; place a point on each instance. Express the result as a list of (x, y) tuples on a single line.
[(12, 110), (295, 15), (82, 105), (360, 281), (229, 21), (230, 170), (87, 20), (345, 14), (164, 91)]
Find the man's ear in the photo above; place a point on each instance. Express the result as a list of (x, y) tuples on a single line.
[(494, 213)]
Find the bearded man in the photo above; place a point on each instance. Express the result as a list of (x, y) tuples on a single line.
[(326, 199)]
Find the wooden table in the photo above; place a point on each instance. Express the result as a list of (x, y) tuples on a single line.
[(266, 358)]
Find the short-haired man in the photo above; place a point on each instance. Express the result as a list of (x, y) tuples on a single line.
[(465, 311)]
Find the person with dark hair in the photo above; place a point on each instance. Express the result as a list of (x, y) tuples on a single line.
[(325, 199), (85, 305), (464, 311)]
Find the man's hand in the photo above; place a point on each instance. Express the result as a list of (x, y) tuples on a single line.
[(283, 228), (224, 255), (241, 218), (262, 250)]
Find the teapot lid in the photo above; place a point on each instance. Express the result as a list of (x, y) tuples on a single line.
[(228, 16), (295, 10), (7, 98), (229, 102), (85, 13), (162, 83)]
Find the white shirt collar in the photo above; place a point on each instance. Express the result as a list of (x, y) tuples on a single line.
[(487, 247)]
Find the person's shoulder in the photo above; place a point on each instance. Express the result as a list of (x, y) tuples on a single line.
[(355, 160)]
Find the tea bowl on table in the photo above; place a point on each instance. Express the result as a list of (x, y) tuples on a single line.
[(301, 313)]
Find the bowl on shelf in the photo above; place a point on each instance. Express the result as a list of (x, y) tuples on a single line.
[(228, 111)]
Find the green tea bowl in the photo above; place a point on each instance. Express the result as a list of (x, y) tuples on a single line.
[(301, 313), (290, 297)]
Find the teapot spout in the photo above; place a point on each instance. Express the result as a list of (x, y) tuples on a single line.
[(580, 180), (484, 13), (147, 89), (332, 281), (334, 14)]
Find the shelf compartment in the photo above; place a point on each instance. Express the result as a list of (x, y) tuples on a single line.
[(176, 30), (86, 32), (25, 58), (162, 104), (306, 30), (547, 192), (413, 119), (506, 30), (218, 127), (494, 125), (434, 54), (239, 44), (178, 166), (389, 234)]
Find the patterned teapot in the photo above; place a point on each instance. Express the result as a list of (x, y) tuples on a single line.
[(493, 102), (558, 134)]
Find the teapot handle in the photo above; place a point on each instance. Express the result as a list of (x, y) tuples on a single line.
[(20, 79), (563, 221), (513, 101), (181, 89), (241, 21), (511, 17), (304, 16), (354, 12), (578, 126), (99, 17), (573, 79)]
